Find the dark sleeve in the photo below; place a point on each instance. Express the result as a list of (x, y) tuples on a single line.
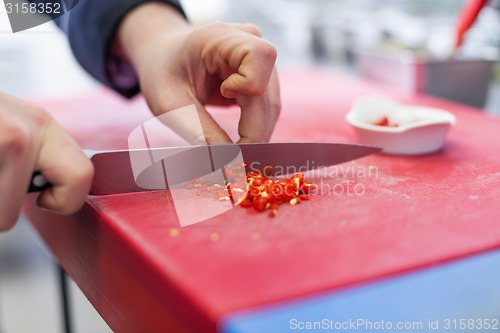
[(90, 27)]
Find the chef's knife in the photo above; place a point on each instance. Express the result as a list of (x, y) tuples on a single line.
[(119, 171)]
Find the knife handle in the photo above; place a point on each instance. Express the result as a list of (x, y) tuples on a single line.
[(38, 183)]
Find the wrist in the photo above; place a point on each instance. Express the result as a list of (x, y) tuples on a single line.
[(142, 26)]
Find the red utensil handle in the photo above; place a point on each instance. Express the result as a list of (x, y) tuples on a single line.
[(467, 18)]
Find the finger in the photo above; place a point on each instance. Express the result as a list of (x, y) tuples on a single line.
[(11, 195), (253, 59), (247, 27), (62, 162), (196, 127), (260, 114), (16, 165)]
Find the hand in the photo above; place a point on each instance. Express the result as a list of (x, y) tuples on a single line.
[(30, 139), (218, 64)]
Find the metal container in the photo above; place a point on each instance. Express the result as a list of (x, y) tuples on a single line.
[(462, 80)]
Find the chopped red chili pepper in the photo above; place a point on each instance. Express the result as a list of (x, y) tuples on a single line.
[(267, 194), (262, 194), (304, 197), (385, 122)]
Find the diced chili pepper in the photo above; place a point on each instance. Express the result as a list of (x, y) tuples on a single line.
[(263, 193), (384, 121), (304, 197), (267, 194), (246, 203), (260, 204)]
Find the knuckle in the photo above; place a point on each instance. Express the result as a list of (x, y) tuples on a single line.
[(84, 174), (268, 51), (266, 55), (218, 25), (40, 116), (253, 29), (16, 138), (81, 179)]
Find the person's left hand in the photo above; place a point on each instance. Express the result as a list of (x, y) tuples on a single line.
[(218, 64), (30, 139)]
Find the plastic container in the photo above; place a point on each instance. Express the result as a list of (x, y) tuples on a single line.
[(407, 129)]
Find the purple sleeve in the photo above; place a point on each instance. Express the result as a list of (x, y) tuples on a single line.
[(90, 27)]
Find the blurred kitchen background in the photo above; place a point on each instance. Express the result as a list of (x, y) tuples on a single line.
[(392, 41)]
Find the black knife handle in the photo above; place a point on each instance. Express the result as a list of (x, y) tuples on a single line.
[(38, 183)]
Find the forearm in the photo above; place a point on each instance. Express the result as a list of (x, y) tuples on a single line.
[(142, 25)]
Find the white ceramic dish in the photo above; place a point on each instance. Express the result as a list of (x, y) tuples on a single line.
[(420, 130)]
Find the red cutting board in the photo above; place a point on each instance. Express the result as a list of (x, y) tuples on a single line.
[(144, 274)]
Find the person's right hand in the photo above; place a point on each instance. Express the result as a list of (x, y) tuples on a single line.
[(30, 139)]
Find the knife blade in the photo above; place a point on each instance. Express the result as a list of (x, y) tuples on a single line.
[(120, 171)]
